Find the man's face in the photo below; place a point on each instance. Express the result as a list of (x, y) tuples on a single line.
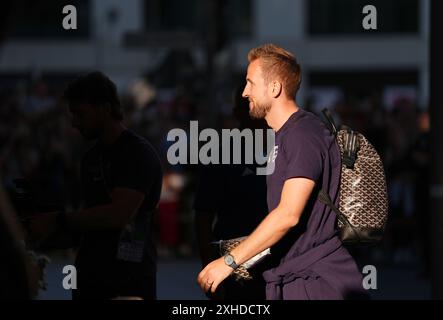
[(87, 119), (256, 91)]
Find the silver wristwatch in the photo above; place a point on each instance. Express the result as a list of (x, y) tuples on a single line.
[(229, 260)]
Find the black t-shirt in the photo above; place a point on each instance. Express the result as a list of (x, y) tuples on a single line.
[(130, 162)]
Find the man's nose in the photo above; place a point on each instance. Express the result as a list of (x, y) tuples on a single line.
[(245, 93)]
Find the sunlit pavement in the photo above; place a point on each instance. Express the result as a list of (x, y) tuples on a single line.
[(177, 281)]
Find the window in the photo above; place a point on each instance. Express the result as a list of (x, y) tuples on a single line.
[(238, 19), (43, 19), (232, 18), (345, 16), (173, 15)]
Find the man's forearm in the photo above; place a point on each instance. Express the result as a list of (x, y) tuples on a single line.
[(276, 224), (115, 215), (295, 195), (101, 217)]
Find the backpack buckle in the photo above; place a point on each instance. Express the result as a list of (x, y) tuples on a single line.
[(350, 148)]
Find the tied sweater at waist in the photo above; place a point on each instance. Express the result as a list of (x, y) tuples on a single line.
[(301, 266)]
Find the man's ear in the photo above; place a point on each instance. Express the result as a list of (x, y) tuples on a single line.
[(275, 89)]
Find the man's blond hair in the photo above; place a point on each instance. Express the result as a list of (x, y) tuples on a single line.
[(278, 64)]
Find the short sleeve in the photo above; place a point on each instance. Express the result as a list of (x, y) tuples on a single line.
[(136, 170), (303, 153)]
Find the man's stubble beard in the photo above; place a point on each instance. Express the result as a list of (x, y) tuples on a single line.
[(260, 110)]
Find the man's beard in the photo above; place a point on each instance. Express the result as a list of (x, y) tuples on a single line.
[(260, 110)]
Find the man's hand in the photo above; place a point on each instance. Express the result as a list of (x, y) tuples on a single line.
[(218, 295), (210, 254), (36, 269), (213, 274), (41, 226)]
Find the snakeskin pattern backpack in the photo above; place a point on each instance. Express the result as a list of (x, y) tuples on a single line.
[(363, 203)]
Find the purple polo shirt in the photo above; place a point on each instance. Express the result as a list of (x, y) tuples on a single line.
[(312, 263)]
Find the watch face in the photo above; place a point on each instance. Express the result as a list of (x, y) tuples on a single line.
[(229, 259)]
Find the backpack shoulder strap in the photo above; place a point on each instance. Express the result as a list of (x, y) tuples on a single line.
[(324, 198), (330, 121)]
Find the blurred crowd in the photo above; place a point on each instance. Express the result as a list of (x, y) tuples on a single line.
[(38, 143)]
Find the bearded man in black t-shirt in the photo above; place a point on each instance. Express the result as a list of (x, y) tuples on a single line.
[(121, 178)]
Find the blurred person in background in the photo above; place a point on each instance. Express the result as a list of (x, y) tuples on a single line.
[(400, 175), (420, 161), (229, 203), (168, 214), (121, 181)]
